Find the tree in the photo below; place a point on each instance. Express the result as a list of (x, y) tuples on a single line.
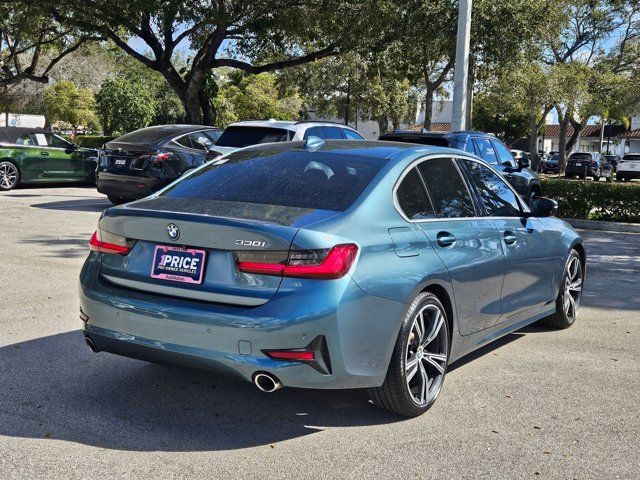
[(64, 102), (255, 37), (255, 96), (31, 44), (124, 106)]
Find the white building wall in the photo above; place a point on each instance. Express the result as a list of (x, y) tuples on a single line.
[(22, 120)]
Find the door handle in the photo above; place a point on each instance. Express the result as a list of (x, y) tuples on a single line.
[(46, 154), (509, 238), (445, 239)]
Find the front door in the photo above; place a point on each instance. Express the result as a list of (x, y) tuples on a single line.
[(528, 284), (469, 246)]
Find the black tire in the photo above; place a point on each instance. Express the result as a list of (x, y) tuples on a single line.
[(563, 318), (116, 200), (9, 175), (396, 393)]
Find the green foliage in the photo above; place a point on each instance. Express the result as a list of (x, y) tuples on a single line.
[(255, 97), (614, 202), (90, 141), (65, 102), (124, 106)]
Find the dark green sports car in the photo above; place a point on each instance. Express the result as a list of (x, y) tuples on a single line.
[(36, 155)]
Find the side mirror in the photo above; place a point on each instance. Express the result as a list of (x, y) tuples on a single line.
[(543, 207)]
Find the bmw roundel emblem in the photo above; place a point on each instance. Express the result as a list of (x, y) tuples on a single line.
[(173, 231)]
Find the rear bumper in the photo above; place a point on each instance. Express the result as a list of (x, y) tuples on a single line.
[(578, 171), (128, 187), (627, 174), (360, 330)]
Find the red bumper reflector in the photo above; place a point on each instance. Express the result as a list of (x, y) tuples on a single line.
[(299, 355)]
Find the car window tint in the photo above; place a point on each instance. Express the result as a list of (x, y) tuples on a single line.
[(200, 141), (447, 189), (55, 141), (333, 133), (25, 139), (214, 135), (497, 198), (293, 178), (505, 157), (242, 136), (314, 132), (412, 197), (469, 147), (486, 150), (184, 140), (352, 135)]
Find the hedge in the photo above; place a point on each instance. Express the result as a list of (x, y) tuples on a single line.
[(613, 202)]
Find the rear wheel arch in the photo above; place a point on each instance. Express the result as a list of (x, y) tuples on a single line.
[(12, 160), (579, 247)]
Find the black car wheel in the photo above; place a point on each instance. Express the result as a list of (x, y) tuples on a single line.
[(419, 361), (568, 301), (116, 200), (9, 175)]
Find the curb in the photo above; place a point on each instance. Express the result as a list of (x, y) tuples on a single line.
[(600, 225)]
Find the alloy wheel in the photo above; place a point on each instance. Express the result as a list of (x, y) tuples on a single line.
[(426, 355), (8, 175), (572, 288)]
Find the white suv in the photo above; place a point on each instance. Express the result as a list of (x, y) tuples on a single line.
[(628, 167), (252, 132)]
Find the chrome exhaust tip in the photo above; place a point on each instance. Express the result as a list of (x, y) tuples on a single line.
[(91, 345), (266, 382)]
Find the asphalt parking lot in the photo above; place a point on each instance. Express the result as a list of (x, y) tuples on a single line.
[(537, 404)]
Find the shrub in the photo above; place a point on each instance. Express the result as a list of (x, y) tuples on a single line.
[(613, 202), (89, 141)]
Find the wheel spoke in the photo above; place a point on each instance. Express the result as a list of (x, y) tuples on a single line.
[(576, 285), (424, 385), (437, 325), (573, 269), (572, 303), (433, 359), (411, 368)]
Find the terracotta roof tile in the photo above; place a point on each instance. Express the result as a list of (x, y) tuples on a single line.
[(632, 134)]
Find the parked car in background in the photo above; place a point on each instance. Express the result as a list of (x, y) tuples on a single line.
[(587, 164), (141, 162), (522, 156), (629, 167), (485, 146), (550, 165), (337, 264), (254, 132), (612, 160), (35, 155)]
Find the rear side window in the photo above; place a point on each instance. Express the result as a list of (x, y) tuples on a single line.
[(412, 197), (351, 135), (185, 141), (498, 199), (314, 132), (200, 141), (447, 189), (25, 139), (505, 157), (291, 178), (486, 150), (333, 133), (239, 136)]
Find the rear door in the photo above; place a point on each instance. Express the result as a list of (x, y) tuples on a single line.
[(528, 248), (469, 246)]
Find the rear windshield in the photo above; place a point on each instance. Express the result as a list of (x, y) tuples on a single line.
[(580, 155), (244, 136), (153, 134), (325, 181), (632, 157)]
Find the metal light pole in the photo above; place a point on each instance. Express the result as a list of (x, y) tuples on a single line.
[(459, 120)]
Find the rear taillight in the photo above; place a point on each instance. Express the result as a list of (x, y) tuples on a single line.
[(161, 157), (105, 242), (321, 264)]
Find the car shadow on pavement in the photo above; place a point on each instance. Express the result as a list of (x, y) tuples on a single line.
[(54, 387), (67, 246), (79, 205)]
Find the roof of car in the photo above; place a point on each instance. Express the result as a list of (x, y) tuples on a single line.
[(159, 132), (286, 124), (11, 134), (361, 148)]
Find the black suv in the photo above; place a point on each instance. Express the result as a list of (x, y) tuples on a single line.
[(485, 146)]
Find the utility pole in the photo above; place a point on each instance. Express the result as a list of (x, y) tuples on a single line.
[(461, 74)]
